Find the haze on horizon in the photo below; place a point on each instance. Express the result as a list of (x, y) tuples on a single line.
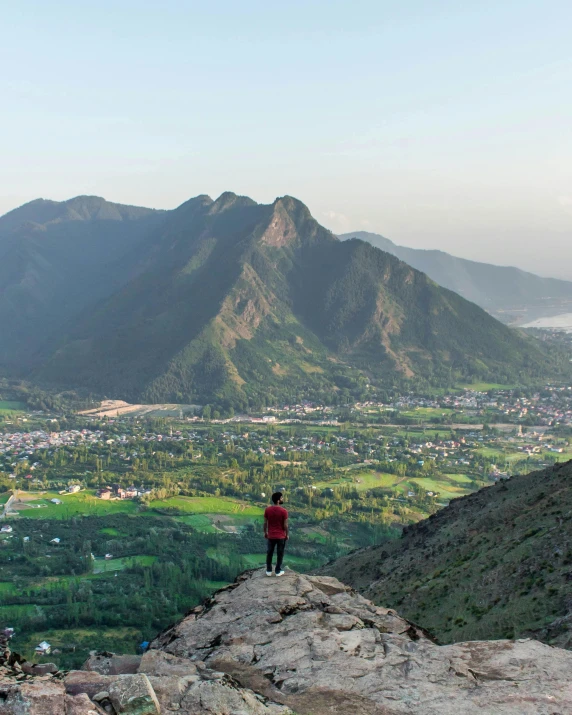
[(443, 125)]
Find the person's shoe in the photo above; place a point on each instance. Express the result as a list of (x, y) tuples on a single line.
[(280, 573), (269, 573)]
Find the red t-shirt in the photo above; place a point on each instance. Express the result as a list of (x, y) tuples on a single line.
[(276, 517)]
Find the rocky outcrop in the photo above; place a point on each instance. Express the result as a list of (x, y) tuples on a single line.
[(156, 684), (317, 646), (307, 645)]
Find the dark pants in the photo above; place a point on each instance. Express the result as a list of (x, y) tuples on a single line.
[(280, 543)]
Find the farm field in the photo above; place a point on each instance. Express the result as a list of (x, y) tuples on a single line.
[(257, 560), (9, 406), (441, 487), (459, 478), (104, 566), (427, 412), (446, 486), (79, 504), (200, 522), (485, 386), (298, 563), (85, 503), (208, 505), (360, 480)]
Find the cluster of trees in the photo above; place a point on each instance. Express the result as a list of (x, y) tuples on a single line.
[(56, 587)]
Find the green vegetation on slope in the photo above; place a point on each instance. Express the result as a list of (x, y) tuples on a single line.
[(247, 305), (494, 564)]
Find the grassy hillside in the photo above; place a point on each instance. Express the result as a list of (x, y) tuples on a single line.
[(494, 564)]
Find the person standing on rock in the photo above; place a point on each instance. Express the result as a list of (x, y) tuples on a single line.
[(275, 532)]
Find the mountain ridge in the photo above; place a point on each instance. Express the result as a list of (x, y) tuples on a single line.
[(504, 291), (41, 212), (57, 258), (241, 298), (232, 302)]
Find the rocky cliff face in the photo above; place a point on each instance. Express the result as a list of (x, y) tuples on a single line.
[(308, 645)]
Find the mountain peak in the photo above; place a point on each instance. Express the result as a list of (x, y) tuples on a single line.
[(228, 200), (42, 212), (317, 646)]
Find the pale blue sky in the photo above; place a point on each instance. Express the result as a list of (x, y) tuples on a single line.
[(438, 124)]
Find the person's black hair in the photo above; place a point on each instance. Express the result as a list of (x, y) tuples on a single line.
[(276, 497)]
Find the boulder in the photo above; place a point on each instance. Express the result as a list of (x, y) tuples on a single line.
[(80, 705), (111, 664), (190, 688), (90, 683), (44, 697), (42, 668), (224, 697), (134, 695), (156, 662)]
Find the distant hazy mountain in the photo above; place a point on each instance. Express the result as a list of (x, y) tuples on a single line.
[(234, 302), (508, 293), (57, 258)]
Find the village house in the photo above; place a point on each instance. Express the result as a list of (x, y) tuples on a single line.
[(6, 529), (43, 648), (73, 488)]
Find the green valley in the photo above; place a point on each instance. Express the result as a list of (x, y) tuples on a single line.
[(118, 525)]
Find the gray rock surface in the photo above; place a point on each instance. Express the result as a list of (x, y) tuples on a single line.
[(90, 683), (134, 695), (315, 645), (300, 644), (32, 698), (190, 688), (80, 705), (111, 664)]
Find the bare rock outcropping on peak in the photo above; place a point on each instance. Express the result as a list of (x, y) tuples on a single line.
[(300, 644), (317, 646)]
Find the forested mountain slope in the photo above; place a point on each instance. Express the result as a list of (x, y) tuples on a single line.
[(503, 291), (241, 304), (494, 564), (57, 258)]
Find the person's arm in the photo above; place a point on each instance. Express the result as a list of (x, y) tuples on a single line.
[(286, 526), (265, 526)]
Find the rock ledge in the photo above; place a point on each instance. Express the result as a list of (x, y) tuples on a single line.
[(301, 644)]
